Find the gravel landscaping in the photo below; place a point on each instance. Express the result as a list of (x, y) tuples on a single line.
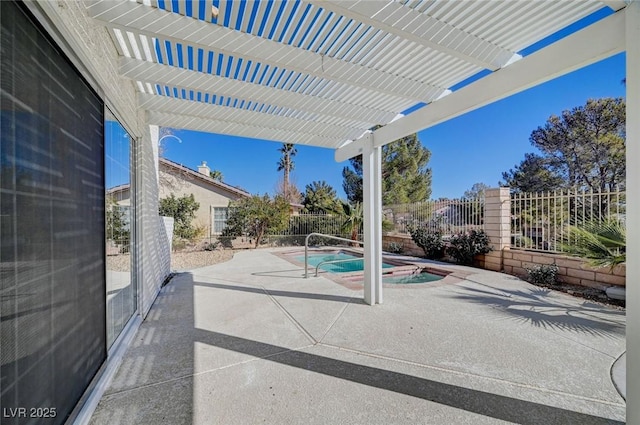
[(186, 260), (195, 259)]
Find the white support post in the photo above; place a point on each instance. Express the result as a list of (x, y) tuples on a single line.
[(372, 198), (632, 29)]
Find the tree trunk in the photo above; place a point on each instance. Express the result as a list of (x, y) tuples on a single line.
[(259, 234)]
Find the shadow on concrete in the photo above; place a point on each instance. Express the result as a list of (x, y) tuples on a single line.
[(535, 306), (480, 402), (155, 382), (278, 293)]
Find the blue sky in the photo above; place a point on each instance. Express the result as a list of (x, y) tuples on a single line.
[(476, 147)]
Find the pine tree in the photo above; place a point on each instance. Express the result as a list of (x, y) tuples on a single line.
[(405, 176)]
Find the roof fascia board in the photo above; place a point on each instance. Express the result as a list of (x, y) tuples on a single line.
[(220, 185)]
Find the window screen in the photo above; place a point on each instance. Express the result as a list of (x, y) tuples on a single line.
[(52, 223)]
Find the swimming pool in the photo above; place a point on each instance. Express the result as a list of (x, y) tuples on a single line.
[(357, 265)]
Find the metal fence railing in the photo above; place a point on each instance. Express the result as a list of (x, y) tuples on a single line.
[(304, 224), (118, 229), (449, 216), (538, 220)]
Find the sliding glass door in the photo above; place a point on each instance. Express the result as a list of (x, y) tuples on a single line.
[(121, 291)]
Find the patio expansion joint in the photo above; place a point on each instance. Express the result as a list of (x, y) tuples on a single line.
[(292, 319), (588, 347), (467, 374), (332, 324)]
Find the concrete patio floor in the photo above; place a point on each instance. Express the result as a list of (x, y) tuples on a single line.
[(249, 341)]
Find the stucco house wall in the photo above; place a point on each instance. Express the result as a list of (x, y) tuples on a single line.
[(209, 193), (176, 179)]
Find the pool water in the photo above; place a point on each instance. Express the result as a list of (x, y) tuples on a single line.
[(408, 279), (357, 265)]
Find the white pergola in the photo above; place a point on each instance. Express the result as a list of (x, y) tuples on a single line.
[(324, 72)]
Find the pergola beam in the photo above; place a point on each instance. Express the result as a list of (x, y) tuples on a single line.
[(236, 129), (448, 37), (154, 22), (308, 127), (592, 44), (326, 110)]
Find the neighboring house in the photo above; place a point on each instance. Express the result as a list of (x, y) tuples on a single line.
[(212, 195), (120, 194)]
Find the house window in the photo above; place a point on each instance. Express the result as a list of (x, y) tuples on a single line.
[(219, 218)]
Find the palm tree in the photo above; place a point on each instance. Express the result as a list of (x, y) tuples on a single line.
[(603, 243), (354, 218), (286, 165), (216, 175)]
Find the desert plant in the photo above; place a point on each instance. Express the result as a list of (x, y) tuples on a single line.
[(603, 243), (395, 248), (429, 240), (543, 274), (210, 246), (464, 246)]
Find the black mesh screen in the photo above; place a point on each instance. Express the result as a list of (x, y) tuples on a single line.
[(52, 286)]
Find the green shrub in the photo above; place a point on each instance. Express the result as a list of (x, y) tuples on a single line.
[(183, 211), (429, 240), (464, 246), (226, 240), (395, 248), (543, 274), (210, 246), (257, 217), (387, 225)]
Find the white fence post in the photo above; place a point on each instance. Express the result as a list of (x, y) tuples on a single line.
[(168, 226), (497, 225)]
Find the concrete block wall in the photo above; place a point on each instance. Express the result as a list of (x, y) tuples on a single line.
[(409, 247), (570, 269)]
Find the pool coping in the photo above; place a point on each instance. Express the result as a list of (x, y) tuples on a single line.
[(402, 265)]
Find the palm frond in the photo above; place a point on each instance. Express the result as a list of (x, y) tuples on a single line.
[(603, 243)]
